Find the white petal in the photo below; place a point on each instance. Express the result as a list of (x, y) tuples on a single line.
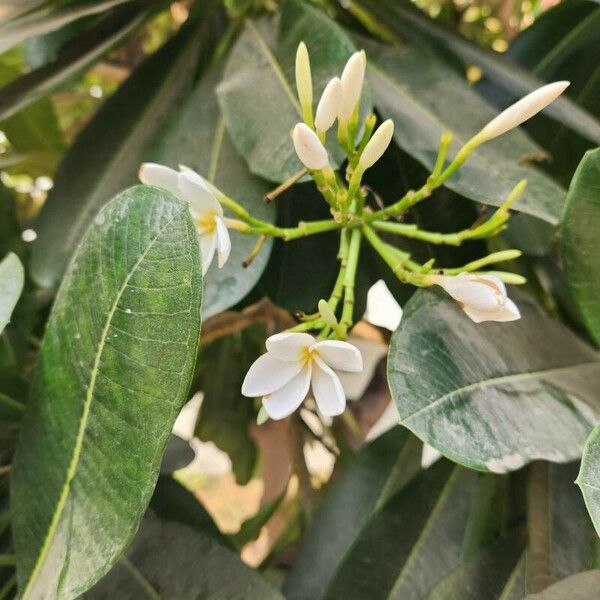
[(329, 103), (429, 455), (340, 355), (507, 312), (288, 345), (481, 295), (194, 190), (223, 242), (268, 374), (160, 176), (327, 389), (308, 146), (377, 145), (287, 399), (208, 245), (352, 82)]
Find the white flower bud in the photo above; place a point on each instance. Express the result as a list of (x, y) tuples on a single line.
[(327, 314), (524, 109), (328, 106), (309, 148), (377, 145), (303, 77), (352, 80)]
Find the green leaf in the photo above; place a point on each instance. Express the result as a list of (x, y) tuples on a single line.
[(106, 156), (424, 98), (12, 279), (114, 370), (170, 560), (492, 396), (258, 91), (353, 500), (49, 18), (178, 455), (589, 476), (203, 144), (582, 586), (250, 529), (402, 19), (78, 54), (579, 241)]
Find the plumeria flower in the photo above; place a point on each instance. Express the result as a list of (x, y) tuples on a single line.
[(482, 297), (206, 210), (295, 362)]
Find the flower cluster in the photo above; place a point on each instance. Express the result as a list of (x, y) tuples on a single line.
[(297, 362)]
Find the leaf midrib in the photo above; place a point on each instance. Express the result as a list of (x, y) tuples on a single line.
[(496, 381), (73, 464)]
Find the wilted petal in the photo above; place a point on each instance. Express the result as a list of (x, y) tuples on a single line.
[(287, 399), (268, 374), (208, 245), (160, 176), (327, 389), (507, 312), (482, 295), (289, 345), (340, 355), (194, 190), (223, 242)]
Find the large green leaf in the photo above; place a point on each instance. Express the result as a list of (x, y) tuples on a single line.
[(589, 476), (378, 472), (579, 241), (49, 18), (77, 55), (258, 91), (424, 98), (114, 370), (204, 145), (170, 560), (12, 279), (107, 154), (582, 586), (492, 396), (405, 20)]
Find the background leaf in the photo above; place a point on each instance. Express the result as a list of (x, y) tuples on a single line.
[(492, 396), (589, 476), (578, 241), (12, 278), (583, 586), (114, 370)]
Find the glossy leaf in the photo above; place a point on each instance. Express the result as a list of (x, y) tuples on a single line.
[(405, 20), (378, 471), (76, 56), (12, 279), (582, 586), (114, 370), (203, 144), (107, 154), (492, 396), (258, 91), (589, 476), (170, 560), (578, 241), (424, 98)]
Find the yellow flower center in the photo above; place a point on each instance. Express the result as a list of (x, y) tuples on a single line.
[(307, 355), (206, 222)]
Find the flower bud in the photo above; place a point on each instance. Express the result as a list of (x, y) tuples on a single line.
[(303, 78), (352, 82), (522, 110), (327, 314), (328, 106), (377, 145), (309, 148)]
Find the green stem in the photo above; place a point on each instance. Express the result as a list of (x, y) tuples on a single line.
[(349, 280), (491, 259)]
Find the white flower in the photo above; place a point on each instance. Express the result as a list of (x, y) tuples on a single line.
[(206, 210), (328, 106), (295, 362), (303, 77), (309, 148), (377, 145), (352, 80), (482, 297), (524, 109)]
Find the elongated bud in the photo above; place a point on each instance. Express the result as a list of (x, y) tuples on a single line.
[(352, 80), (522, 110), (327, 314), (377, 145), (328, 106), (308, 147), (304, 82)]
